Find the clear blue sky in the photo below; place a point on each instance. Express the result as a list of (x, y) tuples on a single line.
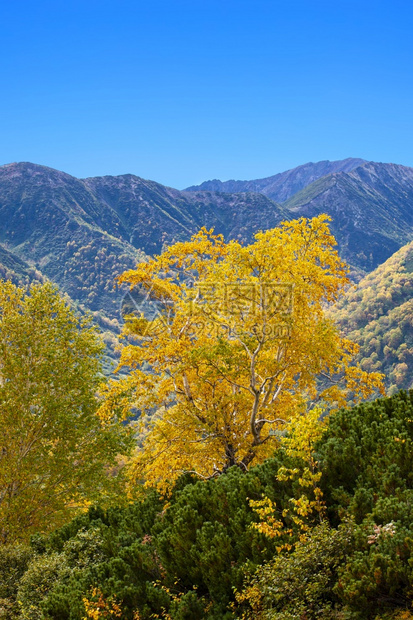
[(180, 91)]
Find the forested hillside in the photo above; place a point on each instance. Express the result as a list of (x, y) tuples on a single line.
[(377, 314), (15, 269), (206, 386)]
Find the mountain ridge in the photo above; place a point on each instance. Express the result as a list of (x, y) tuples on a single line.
[(281, 186), (371, 207)]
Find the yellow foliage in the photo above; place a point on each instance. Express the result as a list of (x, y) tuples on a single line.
[(54, 450), (270, 525), (252, 595), (99, 607), (304, 432), (235, 349)]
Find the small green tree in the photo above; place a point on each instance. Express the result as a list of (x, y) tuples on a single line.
[(54, 449)]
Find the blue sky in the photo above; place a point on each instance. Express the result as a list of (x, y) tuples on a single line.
[(182, 91)]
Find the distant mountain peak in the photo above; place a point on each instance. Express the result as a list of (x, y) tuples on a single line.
[(30, 170), (280, 187)]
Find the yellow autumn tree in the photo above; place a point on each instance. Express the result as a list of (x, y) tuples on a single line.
[(54, 449), (228, 345)]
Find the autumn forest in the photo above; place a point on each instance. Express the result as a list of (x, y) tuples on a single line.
[(247, 458)]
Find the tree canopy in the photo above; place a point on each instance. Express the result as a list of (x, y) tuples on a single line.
[(54, 448), (230, 343)]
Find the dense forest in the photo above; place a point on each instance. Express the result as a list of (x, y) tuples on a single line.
[(244, 462), (207, 554)]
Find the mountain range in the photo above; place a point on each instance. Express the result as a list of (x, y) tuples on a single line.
[(280, 187), (371, 204), (82, 233)]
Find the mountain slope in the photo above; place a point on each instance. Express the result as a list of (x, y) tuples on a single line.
[(378, 315), (150, 214), (280, 187), (82, 233), (50, 220), (371, 204), (15, 269), (371, 207)]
